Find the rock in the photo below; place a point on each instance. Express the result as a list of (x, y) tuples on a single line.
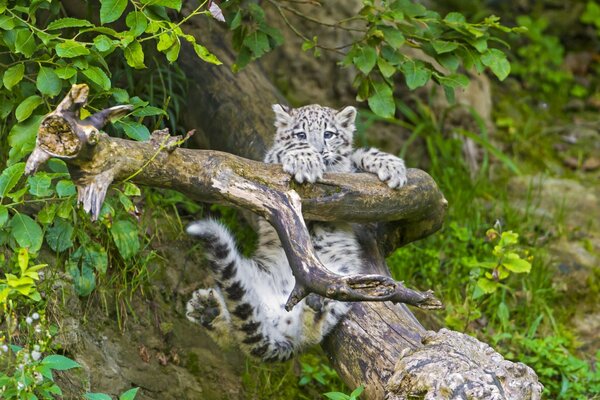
[(569, 211)]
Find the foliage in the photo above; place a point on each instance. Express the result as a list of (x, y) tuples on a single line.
[(506, 260), (383, 31), (42, 53), (342, 396), (27, 372), (540, 59)]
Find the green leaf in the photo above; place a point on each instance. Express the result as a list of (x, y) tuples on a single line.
[(442, 46), (25, 42), (47, 213), (387, 69), (508, 238), (166, 40), (59, 363), (10, 177), (65, 188), (173, 52), (129, 395), (125, 235), (453, 81), (97, 396), (26, 232), (60, 235), (39, 184), (130, 189), (365, 59), (65, 72), (497, 62), (137, 22), (92, 256), (516, 264), (148, 111), (48, 82), (3, 215), (22, 138), (134, 130), (103, 43), (381, 100), (84, 280), (68, 23), (258, 43), (111, 10), (97, 76), (415, 73), (236, 21), (455, 18), (13, 75), (7, 22), (120, 95), (134, 55), (175, 4), (449, 61), (71, 49), (206, 55), (357, 392), (393, 36), (336, 396), (503, 313), (487, 286), (27, 106)]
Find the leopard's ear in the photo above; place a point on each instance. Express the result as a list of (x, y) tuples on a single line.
[(345, 117), (283, 119)]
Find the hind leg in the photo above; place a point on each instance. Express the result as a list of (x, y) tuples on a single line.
[(207, 308)]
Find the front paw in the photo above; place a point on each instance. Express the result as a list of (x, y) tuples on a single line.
[(304, 165), (204, 307), (393, 172)]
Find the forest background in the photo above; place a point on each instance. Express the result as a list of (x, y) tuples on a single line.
[(97, 309)]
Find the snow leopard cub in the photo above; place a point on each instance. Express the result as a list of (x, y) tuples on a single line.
[(247, 305)]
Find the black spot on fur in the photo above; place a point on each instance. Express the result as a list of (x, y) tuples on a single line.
[(260, 351), (228, 271), (250, 327), (243, 311), (235, 291), (253, 339), (221, 251)]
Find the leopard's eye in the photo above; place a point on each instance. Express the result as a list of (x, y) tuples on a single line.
[(328, 134), (300, 135)]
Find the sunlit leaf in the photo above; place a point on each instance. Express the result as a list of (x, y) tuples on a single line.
[(111, 10), (59, 363), (13, 75), (27, 107), (68, 23), (381, 100), (10, 177)]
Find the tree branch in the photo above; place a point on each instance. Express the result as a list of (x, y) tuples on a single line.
[(96, 160)]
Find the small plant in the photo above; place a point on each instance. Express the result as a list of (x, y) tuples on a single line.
[(506, 260), (315, 371), (343, 396)]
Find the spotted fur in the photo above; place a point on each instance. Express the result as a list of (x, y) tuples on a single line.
[(247, 306)]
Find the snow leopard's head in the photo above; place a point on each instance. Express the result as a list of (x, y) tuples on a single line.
[(326, 130)]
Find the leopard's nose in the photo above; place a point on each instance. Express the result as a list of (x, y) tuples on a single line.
[(316, 143)]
